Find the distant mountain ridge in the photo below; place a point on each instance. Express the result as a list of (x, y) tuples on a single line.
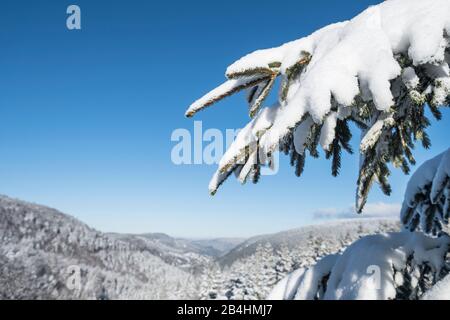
[(213, 247), (334, 235)]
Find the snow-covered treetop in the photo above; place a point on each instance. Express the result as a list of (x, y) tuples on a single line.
[(378, 70), (401, 265), (427, 199)]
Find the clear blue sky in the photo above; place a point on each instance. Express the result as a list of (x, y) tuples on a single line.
[(86, 116)]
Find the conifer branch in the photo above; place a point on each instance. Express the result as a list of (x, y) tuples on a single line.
[(225, 90)]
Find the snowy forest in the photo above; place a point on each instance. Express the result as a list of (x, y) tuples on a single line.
[(42, 249), (370, 88)]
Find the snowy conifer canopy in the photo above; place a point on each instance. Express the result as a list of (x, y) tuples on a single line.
[(402, 265), (427, 199), (379, 70)]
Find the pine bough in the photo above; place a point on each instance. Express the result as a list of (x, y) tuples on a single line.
[(426, 206), (380, 70)]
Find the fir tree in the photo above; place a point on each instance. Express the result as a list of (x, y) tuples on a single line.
[(284, 262), (211, 285)]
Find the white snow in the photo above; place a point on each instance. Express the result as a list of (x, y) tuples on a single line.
[(248, 136), (286, 288), (301, 134), (287, 54), (363, 49), (410, 78), (311, 279), (431, 181), (441, 177), (372, 136), (248, 167), (327, 133), (442, 89), (39, 245), (223, 90), (440, 291), (254, 271), (422, 177), (369, 268)]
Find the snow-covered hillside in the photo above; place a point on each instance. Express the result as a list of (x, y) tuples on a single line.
[(253, 268), (40, 245), (214, 247), (326, 237)]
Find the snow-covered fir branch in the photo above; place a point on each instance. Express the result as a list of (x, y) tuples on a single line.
[(427, 199), (379, 70)]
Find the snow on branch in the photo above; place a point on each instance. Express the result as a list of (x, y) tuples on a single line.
[(427, 199), (402, 265), (379, 70), (226, 89)]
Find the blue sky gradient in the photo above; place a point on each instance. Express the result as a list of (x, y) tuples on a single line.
[(87, 115)]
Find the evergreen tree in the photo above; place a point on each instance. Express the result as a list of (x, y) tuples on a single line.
[(284, 262), (427, 200), (211, 285), (240, 285)]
